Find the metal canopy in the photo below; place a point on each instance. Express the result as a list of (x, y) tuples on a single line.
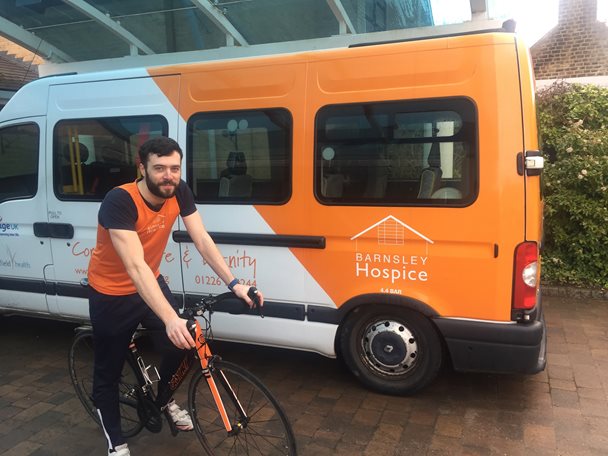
[(95, 30), (214, 13), (30, 41), (344, 21), (113, 26)]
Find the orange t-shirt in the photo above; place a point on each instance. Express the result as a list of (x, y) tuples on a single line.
[(107, 273)]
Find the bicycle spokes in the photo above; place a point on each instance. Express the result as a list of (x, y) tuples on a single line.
[(257, 423), (80, 364)]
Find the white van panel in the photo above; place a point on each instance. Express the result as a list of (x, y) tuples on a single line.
[(23, 256), (275, 332), (101, 99), (222, 218), (23, 301), (27, 102), (69, 307), (275, 270)]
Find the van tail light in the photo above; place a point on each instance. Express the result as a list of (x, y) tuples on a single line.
[(525, 282)]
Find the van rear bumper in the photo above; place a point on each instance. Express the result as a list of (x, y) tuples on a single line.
[(494, 347)]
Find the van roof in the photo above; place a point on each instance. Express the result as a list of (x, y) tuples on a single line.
[(31, 99)]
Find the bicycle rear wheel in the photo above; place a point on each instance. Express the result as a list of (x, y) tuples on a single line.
[(264, 431), (80, 363)]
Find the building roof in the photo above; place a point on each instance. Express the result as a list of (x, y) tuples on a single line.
[(18, 66)]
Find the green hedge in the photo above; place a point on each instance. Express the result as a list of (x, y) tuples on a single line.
[(573, 123)]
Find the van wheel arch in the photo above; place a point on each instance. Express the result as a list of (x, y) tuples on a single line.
[(389, 299), (390, 343)]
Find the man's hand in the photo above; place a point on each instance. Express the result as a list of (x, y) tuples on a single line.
[(241, 292), (178, 333)]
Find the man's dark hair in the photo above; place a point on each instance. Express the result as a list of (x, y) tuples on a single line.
[(160, 146)]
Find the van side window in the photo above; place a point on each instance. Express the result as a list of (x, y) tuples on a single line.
[(240, 156), (409, 153), (19, 149), (92, 156)]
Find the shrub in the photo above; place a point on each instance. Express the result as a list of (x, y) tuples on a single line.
[(573, 124)]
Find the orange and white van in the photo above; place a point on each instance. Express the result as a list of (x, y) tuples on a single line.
[(385, 197)]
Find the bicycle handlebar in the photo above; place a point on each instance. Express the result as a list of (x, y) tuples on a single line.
[(229, 303), (206, 304)]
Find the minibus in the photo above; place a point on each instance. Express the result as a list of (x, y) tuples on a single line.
[(385, 197)]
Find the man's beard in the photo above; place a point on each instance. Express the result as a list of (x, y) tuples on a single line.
[(156, 189)]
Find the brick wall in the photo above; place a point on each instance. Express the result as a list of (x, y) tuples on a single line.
[(576, 47)]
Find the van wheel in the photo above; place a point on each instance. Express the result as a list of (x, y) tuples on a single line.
[(390, 349)]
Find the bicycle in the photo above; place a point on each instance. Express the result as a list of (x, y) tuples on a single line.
[(233, 412)]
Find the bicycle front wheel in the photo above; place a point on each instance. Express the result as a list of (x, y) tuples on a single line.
[(80, 362), (264, 428)]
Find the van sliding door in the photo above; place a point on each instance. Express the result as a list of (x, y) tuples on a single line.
[(95, 130)]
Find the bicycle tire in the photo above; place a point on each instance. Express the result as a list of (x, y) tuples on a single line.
[(267, 433), (80, 362)]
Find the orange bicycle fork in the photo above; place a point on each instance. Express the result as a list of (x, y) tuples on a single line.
[(205, 355)]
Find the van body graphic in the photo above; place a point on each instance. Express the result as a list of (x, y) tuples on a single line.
[(392, 269)]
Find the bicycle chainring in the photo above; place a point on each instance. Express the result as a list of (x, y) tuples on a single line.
[(149, 415)]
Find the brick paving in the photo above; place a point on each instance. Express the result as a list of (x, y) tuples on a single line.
[(561, 411)]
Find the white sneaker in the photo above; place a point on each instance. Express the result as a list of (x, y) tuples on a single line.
[(120, 450), (180, 417)]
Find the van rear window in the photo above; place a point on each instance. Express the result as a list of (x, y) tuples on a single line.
[(92, 156), (240, 157), (413, 152)]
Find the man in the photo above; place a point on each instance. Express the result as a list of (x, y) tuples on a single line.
[(134, 224)]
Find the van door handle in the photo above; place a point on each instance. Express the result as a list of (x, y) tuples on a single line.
[(54, 230), (531, 162)]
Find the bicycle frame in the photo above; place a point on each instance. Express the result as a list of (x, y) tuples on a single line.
[(205, 356)]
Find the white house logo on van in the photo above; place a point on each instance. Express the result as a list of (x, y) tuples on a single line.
[(393, 257)]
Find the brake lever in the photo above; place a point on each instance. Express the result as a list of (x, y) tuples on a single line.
[(253, 295)]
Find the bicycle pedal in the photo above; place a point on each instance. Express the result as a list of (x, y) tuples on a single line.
[(154, 424), (149, 415)]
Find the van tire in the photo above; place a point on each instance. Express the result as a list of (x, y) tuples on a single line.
[(393, 350)]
